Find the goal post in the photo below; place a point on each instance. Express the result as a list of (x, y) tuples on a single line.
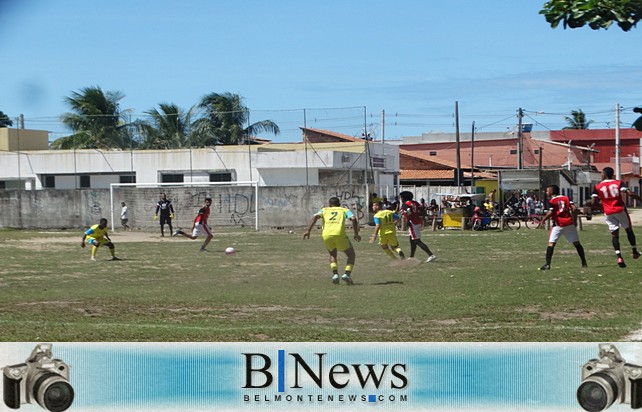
[(234, 204)]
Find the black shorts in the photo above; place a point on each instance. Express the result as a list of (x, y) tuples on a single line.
[(165, 220)]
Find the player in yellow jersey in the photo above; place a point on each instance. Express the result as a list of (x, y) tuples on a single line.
[(334, 236), (97, 236), (386, 227)]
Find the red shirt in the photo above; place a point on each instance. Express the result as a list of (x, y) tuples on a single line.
[(410, 210), (561, 208), (202, 216), (610, 192)]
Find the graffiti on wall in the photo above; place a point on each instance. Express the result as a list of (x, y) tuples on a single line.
[(354, 202), (93, 205)]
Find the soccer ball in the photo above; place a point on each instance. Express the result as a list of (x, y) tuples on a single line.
[(230, 251)]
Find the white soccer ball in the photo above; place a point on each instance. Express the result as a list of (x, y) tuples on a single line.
[(230, 251)]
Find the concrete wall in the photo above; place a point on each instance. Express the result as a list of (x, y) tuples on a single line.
[(231, 206)]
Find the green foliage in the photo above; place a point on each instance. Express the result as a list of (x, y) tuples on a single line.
[(168, 128), (577, 120), (485, 286), (5, 121), (598, 14), (96, 121), (225, 120)]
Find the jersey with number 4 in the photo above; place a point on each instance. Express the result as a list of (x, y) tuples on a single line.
[(561, 208), (610, 193)]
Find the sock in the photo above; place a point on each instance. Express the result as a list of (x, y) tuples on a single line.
[(112, 251), (580, 251), (615, 240), (424, 247), (631, 236), (348, 269), (400, 253), (94, 249), (335, 268), (413, 247), (549, 254), (389, 253)]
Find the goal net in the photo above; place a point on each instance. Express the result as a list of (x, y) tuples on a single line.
[(234, 204)]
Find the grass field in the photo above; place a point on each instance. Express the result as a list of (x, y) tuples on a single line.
[(485, 286)]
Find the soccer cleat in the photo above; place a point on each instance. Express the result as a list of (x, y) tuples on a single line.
[(545, 267), (636, 254), (115, 258), (177, 232), (203, 250), (584, 265), (431, 258), (347, 279), (93, 258), (335, 279), (620, 262)]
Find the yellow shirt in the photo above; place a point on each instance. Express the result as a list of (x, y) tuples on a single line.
[(386, 221), (334, 220), (96, 232)]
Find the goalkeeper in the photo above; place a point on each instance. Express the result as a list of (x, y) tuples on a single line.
[(165, 209)]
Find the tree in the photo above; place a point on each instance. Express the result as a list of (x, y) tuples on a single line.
[(168, 128), (5, 121), (225, 119), (97, 122), (598, 14), (577, 120)]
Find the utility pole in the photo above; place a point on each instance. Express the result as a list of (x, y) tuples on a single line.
[(472, 159), (520, 138), (618, 171), (383, 126), (458, 171)]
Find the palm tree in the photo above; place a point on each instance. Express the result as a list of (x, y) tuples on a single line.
[(5, 121), (577, 120), (225, 121), (168, 128), (96, 121)]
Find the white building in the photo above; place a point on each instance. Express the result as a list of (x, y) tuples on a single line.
[(270, 164)]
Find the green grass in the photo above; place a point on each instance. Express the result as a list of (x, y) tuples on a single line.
[(485, 286)]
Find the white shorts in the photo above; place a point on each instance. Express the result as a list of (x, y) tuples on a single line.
[(200, 229), (569, 232), (414, 230), (618, 220)]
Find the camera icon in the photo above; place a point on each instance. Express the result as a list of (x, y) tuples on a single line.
[(41, 379), (609, 379)]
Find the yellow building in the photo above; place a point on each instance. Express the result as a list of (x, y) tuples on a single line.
[(19, 140)]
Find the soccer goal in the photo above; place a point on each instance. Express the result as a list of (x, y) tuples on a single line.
[(234, 204)]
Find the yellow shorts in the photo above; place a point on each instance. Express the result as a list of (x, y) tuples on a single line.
[(340, 243), (389, 239), (96, 242)]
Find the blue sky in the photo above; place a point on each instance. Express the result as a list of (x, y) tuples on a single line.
[(342, 61)]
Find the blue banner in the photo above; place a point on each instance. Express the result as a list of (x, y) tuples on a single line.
[(313, 376)]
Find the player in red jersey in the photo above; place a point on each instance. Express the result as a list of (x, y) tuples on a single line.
[(563, 213), (610, 191), (410, 212), (200, 225)]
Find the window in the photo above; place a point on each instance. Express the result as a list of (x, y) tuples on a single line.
[(536, 151), (172, 178), (514, 151), (49, 182), (3, 184), (433, 153), (85, 181), (128, 179), (221, 177)]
